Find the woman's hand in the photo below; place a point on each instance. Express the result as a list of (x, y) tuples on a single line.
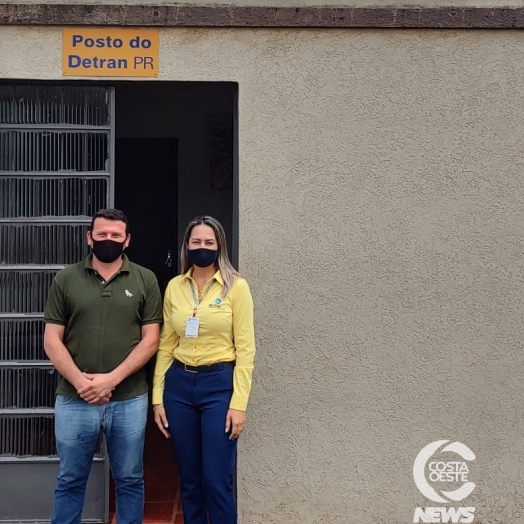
[(161, 419), (235, 421)]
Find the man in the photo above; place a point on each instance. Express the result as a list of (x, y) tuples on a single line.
[(102, 320)]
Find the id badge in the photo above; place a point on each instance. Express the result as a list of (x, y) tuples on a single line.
[(192, 327)]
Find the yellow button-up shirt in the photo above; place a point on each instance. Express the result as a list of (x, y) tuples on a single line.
[(226, 332)]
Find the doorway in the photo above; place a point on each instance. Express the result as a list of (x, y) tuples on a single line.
[(161, 151), (173, 157)]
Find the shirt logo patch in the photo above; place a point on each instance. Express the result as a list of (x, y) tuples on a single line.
[(217, 304), (128, 293)]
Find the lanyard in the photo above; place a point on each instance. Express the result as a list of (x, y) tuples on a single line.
[(197, 299)]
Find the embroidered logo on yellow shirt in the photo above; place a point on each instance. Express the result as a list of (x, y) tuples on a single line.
[(217, 304)]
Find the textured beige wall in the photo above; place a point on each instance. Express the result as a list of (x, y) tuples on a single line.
[(381, 217)]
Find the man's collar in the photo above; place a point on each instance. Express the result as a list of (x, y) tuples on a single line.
[(126, 265), (88, 264), (124, 268)]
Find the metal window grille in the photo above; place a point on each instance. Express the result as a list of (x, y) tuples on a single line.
[(55, 172)]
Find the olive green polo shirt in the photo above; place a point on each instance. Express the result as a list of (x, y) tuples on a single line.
[(103, 320)]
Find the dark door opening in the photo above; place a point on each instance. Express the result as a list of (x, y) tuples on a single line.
[(146, 189), (146, 176), (173, 157)]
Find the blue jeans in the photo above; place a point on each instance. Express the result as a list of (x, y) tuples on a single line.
[(77, 429), (196, 406)]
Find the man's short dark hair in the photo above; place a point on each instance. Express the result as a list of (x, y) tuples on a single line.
[(110, 214)]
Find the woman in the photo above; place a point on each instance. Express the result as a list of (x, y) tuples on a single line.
[(203, 372)]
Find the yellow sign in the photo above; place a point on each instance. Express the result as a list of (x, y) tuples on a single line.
[(110, 52)]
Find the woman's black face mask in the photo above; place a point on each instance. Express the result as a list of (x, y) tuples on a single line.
[(202, 257)]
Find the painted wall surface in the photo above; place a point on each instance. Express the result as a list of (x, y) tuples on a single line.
[(381, 229)]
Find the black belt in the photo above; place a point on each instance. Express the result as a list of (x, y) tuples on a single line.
[(204, 369)]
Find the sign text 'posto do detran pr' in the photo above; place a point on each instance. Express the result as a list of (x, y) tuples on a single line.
[(110, 52), (110, 43)]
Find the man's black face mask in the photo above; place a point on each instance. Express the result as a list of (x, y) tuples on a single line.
[(107, 251)]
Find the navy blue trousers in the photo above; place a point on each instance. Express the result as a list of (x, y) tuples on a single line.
[(196, 405)]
